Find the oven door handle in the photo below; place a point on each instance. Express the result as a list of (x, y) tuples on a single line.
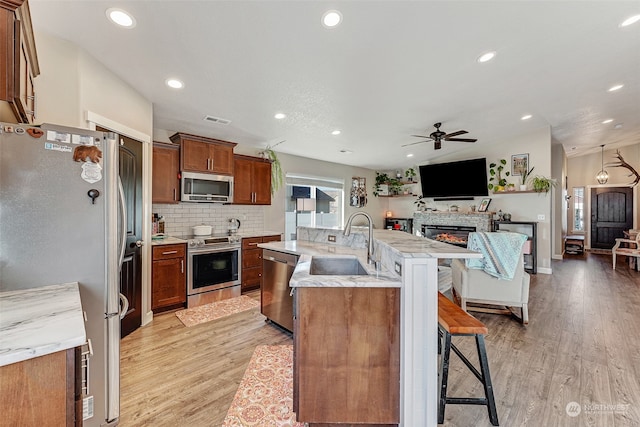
[(211, 250)]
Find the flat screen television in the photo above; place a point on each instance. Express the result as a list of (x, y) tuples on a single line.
[(462, 180)]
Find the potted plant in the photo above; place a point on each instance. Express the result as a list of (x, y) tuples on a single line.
[(409, 174), (542, 184), (395, 186), (496, 182), (523, 178), (382, 184), (277, 175)]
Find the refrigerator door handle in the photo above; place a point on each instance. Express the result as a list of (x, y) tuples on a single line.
[(125, 306), (123, 213)]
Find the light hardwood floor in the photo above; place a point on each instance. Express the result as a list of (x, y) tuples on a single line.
[(582, 345)]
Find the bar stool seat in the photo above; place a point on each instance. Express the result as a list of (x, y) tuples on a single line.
[(453, 321)]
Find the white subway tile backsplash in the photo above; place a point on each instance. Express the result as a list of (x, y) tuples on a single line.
[(181, 217)]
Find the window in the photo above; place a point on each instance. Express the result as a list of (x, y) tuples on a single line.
[(312, 202), (578, 209)]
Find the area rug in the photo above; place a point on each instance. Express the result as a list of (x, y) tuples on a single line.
[(215, 310), (265, 395)]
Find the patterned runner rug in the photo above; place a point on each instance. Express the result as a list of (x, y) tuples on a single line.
[(205, 313), (265, 395)]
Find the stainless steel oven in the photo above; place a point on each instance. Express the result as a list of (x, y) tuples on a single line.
[(213, 263)]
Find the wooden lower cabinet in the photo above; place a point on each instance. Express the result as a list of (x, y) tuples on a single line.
[(346, 356), (43, 391), (251, 275), (169, 286)]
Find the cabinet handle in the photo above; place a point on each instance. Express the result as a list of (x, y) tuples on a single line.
[(182, 266), (169, 252)]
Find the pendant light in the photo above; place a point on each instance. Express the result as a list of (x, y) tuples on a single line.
[(603, 175)]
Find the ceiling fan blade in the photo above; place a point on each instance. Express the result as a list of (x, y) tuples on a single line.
[(413, 143), (421, 136), (461, 139), (460, 132)]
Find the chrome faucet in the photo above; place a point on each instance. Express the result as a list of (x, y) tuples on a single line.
[(347, 231)]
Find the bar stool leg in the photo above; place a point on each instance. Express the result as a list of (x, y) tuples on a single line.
[(486, 380), (444, 374)]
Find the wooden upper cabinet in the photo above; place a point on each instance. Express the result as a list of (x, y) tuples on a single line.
[(18, 60), (166, 171), (200, 154), (252, 181)]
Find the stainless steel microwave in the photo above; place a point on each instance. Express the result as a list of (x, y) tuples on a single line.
[(206, 188)]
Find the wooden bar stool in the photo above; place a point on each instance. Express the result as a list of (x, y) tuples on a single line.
[(453, 321)]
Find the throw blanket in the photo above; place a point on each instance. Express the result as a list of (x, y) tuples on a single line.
[(501, 252)]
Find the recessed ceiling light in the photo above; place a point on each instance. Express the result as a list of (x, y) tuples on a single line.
[(331, 18), (618, 126), (616, 87), (410, 155), (604, 122), (174, 83), (631, 20), (336, 132), (486, 57), (526, 117), (280, 116), (121, 17)]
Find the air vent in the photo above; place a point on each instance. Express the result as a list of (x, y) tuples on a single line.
[(218, 120)]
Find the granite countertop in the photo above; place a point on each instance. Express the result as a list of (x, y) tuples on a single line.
[(167, 240), (40, 321), (409, 245)]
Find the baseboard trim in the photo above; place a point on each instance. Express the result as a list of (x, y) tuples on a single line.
[(544, 270)]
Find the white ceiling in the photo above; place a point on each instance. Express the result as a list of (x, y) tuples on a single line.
[(389, 70)]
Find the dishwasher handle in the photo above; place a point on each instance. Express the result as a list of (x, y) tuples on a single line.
[(280, 258), (281, 261)]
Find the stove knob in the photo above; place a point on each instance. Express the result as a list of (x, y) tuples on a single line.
[(192, 243)]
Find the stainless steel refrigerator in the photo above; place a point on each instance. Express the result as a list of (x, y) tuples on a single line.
[(61, 207)]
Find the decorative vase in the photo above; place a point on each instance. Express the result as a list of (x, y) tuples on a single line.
[(523, 187)]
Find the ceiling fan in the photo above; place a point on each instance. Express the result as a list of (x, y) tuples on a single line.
[(438, 136)]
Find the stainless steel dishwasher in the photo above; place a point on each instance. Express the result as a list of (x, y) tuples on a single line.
[(275, 295)]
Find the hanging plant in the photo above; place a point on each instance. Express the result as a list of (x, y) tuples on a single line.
[(277, 176)]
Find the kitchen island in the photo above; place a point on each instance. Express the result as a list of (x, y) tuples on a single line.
[(41, 330), (413, 261)]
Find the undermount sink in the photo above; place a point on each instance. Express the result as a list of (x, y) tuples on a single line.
[(336, 266)]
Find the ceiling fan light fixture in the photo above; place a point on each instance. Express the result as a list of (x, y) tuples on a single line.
[(486, 57), (603, 176), (629, 21), (121, 17)]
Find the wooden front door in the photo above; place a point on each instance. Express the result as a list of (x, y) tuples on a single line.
[(131, 272), (611, 215)]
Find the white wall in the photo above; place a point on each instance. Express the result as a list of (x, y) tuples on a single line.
[(522, 207), (72, 82)]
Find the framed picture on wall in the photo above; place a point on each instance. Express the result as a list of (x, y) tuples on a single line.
[(519, 164), (484, 204)]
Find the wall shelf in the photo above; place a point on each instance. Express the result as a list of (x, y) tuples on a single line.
[(516, 192)]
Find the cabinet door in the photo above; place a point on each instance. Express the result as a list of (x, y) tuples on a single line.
[(252, 258), (24, 101), (221, 159), (169, 286), (196, 156), (6, 54), (166, 184), (242, 188), (261, 183)]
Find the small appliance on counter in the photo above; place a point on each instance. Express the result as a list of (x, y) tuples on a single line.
[(401, 224), (234, 226)]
